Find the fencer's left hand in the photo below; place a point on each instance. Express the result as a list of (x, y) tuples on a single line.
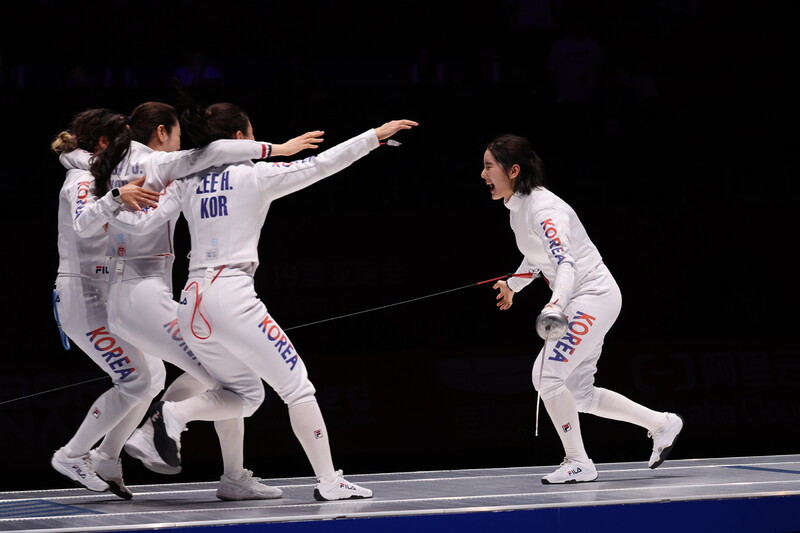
[(505, 296), (306, 141), (392, 127), (135, 196)]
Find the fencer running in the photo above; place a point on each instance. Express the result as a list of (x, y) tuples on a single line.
[(556, 246)]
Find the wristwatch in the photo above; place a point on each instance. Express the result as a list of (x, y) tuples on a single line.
[(116, 195)]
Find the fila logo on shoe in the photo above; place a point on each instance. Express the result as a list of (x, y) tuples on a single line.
[(78, 471), (575, 472), (346, 486)]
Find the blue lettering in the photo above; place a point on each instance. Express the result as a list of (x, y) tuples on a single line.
[(214, 206)]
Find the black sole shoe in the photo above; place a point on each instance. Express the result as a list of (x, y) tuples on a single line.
[(165, 446), (666, 451), (114, 488)]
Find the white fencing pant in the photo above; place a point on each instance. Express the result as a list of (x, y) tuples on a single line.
[(239, 343), (564, 375), (570, 363), (81, 306), (144, 312)]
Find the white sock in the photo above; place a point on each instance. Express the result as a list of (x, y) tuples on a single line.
[(219, 404), (231, 443), (564, 415), (309, 428), (115, 439), (183, 387), (610, 404), (105, 413)]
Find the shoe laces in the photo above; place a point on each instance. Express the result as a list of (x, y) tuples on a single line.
[(248, 475), (86, 461), (565, 462), (336, 477)]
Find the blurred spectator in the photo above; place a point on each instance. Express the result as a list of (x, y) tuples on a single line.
[(533, 14), (574, 68), (196, 72), (426, 67), (79, 77), (574, 63)]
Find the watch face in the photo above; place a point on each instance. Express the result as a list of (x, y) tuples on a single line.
[(115, 193)]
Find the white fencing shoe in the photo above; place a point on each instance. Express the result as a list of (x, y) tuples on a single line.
[(572, 471), (339, 489), (79, 470), (166, 432), (664, 439), (246, 488), (110, 471), (140, 446)]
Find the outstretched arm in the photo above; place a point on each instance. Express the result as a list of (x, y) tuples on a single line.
[(306, 141), (165, 167), (281, 179), (392, 127)]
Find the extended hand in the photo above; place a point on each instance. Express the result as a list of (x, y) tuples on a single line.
[(390, 128), (306, 141), (506, 295), (134, 196)]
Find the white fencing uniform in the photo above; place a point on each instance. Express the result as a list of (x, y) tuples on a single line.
[(141, 307), (81, 289), (553, 241), (230, 329), (222, 319)]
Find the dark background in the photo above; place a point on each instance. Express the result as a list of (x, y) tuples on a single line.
[(679, 164)]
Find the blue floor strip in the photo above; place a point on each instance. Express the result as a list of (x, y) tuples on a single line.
[(39, 508), (763, 469)]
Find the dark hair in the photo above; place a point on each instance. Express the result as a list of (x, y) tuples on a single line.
[(217, 121), (85, 130), (204, 125), (147, 117), (511, 150), (139, 126)]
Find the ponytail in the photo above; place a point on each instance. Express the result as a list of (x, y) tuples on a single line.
[(64, 142), (104, 162)]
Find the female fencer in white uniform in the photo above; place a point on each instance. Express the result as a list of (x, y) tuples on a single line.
[(555, 245), (80, 293), (222, 319), (141, 307)]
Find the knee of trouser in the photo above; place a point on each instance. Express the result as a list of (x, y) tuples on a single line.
[(135, 388), (158, 378), (549, 387), (252, 401), (585, 401), (304, 392)]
